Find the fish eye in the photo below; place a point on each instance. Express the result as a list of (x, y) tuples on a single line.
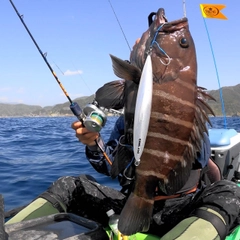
[(183, 42)]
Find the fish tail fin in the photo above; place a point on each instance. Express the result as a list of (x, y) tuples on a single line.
[(131, 222)]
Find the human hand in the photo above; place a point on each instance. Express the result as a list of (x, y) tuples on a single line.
[(84, 136)]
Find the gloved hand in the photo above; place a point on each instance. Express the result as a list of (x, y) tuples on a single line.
[(205, 153)]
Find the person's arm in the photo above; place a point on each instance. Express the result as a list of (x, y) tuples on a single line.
[(93, 153)]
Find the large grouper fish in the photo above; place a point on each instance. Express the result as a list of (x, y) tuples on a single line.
[(178, 117)]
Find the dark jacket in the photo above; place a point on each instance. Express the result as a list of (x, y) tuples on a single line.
[(101, 165)]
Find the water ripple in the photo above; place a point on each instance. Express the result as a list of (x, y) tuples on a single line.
[(34, 152)]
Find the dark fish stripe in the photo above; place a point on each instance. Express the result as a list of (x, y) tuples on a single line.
[(185, 84), (153, 173), (172, 140), (170, 118), (156, 146), (160, 171), (168, 138), (171, 129), (159, 93), (178, 90), (166, 156)]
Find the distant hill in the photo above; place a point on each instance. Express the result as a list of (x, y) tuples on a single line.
[(63, 109), (231, 98), (19, 109), (23, 110)]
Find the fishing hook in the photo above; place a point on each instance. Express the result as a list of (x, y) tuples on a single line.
[(124, 172), (154, 41)]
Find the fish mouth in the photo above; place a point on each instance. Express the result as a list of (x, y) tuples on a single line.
[(174, 25), (161, 20), (159, 16)]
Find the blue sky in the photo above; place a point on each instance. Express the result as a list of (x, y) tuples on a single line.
[(78, 37)]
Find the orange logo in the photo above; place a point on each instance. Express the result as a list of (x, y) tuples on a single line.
[(211, 11)]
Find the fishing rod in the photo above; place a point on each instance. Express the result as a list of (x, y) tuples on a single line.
[(92, 117)]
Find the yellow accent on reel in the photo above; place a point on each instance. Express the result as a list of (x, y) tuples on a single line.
[(97, 118)]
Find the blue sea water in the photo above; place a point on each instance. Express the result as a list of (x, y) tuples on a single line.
[(34, 152)]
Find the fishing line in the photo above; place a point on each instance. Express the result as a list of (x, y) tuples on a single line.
[(76, 70), (58, 68), (43, 55), (120, 25), (83, 79), (220, 89), (75, 108)]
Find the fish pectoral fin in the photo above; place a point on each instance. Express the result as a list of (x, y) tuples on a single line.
[(136, 215), (110, 95), (125, 70)]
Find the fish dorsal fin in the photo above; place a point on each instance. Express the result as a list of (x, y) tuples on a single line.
[(202, 101), (110, 95), (125, 70)]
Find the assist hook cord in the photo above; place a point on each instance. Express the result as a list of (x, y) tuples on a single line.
[(75, 108)]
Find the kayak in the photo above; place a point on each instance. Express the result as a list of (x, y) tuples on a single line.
[(225, 151), (73, 227)]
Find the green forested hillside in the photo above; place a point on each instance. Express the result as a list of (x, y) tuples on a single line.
[(18, 109), (14, 110), (231, 99)]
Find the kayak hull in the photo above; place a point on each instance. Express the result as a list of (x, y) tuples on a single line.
[(70, 226)]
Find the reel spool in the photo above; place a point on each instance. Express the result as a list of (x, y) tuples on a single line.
[(93, 117)]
